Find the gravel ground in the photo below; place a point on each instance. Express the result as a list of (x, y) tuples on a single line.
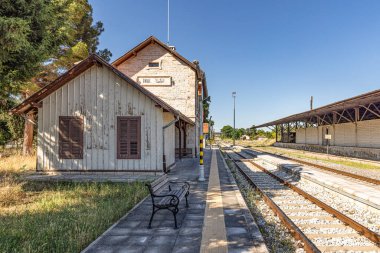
[(292, 198), (355, 212), (371, 173), (358, 213), (277, 237)]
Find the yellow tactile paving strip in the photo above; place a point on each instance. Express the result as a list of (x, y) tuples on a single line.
[(214, 237)]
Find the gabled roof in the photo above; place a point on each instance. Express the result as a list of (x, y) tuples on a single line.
[(153, 40), (34, 100)]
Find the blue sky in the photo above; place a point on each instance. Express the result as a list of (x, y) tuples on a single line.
[(274, 54)]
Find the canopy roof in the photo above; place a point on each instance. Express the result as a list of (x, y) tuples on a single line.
[(366, 105)]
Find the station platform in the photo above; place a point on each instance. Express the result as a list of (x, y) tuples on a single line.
[(217, 219)]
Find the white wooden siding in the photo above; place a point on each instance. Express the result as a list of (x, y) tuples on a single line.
[(99, 96), (169, 139)]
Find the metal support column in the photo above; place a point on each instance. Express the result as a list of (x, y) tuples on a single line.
[(276, 133), (288, 130)]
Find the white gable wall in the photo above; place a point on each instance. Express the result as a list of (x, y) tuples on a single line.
[(99, 96)]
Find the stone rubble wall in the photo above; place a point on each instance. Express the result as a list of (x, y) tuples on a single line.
[(357, 152), (181, 94)]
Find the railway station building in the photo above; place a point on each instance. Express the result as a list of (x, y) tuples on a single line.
[(133, 115), (350, 127)]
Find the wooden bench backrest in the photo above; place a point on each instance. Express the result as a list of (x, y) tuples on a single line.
[(157, 184)]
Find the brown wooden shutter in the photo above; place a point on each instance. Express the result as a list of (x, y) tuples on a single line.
[(70, 137), (64, 137), (122, 138), (129, 137)]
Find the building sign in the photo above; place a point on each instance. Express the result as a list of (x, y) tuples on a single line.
[(205, 128), (155, 80), (328, 136)]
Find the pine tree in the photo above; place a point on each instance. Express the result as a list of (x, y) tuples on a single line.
[(39, 40)]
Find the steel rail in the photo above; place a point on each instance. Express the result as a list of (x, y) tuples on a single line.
[(309, 246), (322, 167), (374, 237)]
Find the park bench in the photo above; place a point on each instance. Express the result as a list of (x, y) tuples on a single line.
[(167, 195)]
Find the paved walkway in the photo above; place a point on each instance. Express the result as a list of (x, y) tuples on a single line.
[(226, 219), (214, 238)]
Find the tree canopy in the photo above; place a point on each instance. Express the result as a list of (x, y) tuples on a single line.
[(40, 40), (228, 132)]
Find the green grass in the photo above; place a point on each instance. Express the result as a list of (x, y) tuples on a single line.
[(57, 216), (65, 217)]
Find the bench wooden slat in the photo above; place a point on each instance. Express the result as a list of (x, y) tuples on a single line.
[(156, 186), (159, 180)]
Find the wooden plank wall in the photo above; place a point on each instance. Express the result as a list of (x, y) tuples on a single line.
[(169, 139), (99, 96)]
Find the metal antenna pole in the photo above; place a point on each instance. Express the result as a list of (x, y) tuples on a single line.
[(168, 22)]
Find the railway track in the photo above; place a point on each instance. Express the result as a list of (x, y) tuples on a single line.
[(320, 227), (322, 167)]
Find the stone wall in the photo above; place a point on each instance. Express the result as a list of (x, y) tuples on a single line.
[(181, 94), (357, 152)]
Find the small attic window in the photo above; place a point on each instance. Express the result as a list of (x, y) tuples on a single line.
[(154, 64)]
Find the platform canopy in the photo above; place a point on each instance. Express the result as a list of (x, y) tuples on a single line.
[(359, 108)]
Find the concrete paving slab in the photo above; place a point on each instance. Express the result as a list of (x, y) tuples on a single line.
[(243, 234), (131, 234)]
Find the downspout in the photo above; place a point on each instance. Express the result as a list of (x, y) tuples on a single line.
[(163, 141)]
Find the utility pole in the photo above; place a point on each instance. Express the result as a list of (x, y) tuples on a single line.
[(233, 135), (311, 102)]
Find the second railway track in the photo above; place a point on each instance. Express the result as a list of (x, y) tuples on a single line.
[(322, 167), (320, 227)]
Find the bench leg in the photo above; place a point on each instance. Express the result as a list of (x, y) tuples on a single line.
[(175, 211), (151, 217), (187, 203)]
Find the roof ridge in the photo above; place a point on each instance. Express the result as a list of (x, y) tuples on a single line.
[(80, 68)]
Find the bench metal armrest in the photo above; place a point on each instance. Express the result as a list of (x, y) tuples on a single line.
[(173, 201)]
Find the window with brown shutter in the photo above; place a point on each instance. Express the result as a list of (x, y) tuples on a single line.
[(70, 137), (128, 137)]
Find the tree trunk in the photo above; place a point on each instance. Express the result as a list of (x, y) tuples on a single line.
[(27, 147)]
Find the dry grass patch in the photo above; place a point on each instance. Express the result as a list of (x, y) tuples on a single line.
[(57, 216)]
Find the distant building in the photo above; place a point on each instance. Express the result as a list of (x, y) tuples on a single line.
[(350, 127), (244, 137)]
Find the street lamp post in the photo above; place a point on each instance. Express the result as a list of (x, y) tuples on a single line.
[(233, 136)]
